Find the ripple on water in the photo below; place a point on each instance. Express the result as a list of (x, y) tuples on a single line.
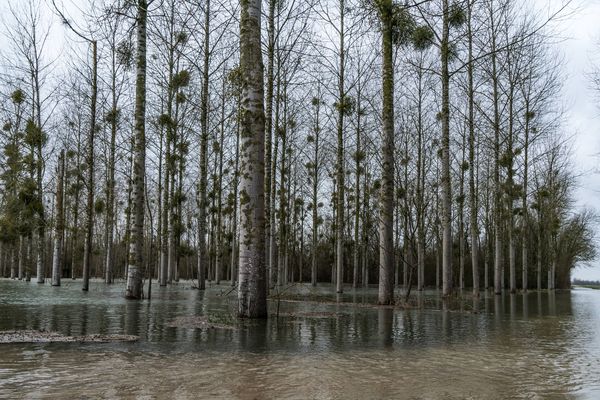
[(535, 347)]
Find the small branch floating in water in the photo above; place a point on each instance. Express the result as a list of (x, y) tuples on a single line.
[(7, 337)]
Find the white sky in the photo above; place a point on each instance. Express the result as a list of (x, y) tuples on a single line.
[(581, 47)]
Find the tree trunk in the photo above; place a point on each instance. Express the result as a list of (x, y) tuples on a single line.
[(39, 245), (498, 268), (202, 201), (219, 194), (252, 292), (163, 231), (282, 254), (472, 188), (75, 200), (165, 265), (127, 235), (301, 257), (40, 229), (172, 209), (357, 173), (420, 200), (60, 221), (22, 255), (13, 267), (524, 206), (236, 178), (366, 224), (269, 135), (136, 250), (339, 267), (386, 208), (446, 183), (89, 223), (29, 249), (510, 185), (110, 184), (461, 221), (552, 266), (179, 212), (539, 253), (274, 277), (315, 189), (179, 227)]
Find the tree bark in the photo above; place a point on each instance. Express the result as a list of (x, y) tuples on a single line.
[(461, 221), (386, 208), (136, 248), (219, 194), (282, 277), (357, 173), (420, 200), (202, 247), (524, 205), (510, 187), (315, 188), (269, 134), (75, 200), (339, 267), (446, 183), (89, 223), (110, 186), (274, 277), (252, 291), (472, 188), (60, 221), (497, 187), (22, 256), (236, 179), (165, 261)]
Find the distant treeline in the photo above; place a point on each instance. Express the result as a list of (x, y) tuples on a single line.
[(580, 282)]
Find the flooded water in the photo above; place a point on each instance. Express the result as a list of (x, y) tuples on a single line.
[(535, 346)]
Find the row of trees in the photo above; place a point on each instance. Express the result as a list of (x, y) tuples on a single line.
[(415, 144)]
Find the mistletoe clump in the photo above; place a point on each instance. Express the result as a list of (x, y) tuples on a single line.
[(422, 37)]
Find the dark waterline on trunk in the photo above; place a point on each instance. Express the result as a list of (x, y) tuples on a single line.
[(510, 346)]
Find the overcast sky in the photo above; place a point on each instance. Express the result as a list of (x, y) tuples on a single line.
[(581, 47)]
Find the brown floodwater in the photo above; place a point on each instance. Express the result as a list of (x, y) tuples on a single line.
[(534, 346)]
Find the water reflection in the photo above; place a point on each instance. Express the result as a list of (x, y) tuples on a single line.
[(385, 324), (476, 305), (552, 303), (520, 345), (513, 306)]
